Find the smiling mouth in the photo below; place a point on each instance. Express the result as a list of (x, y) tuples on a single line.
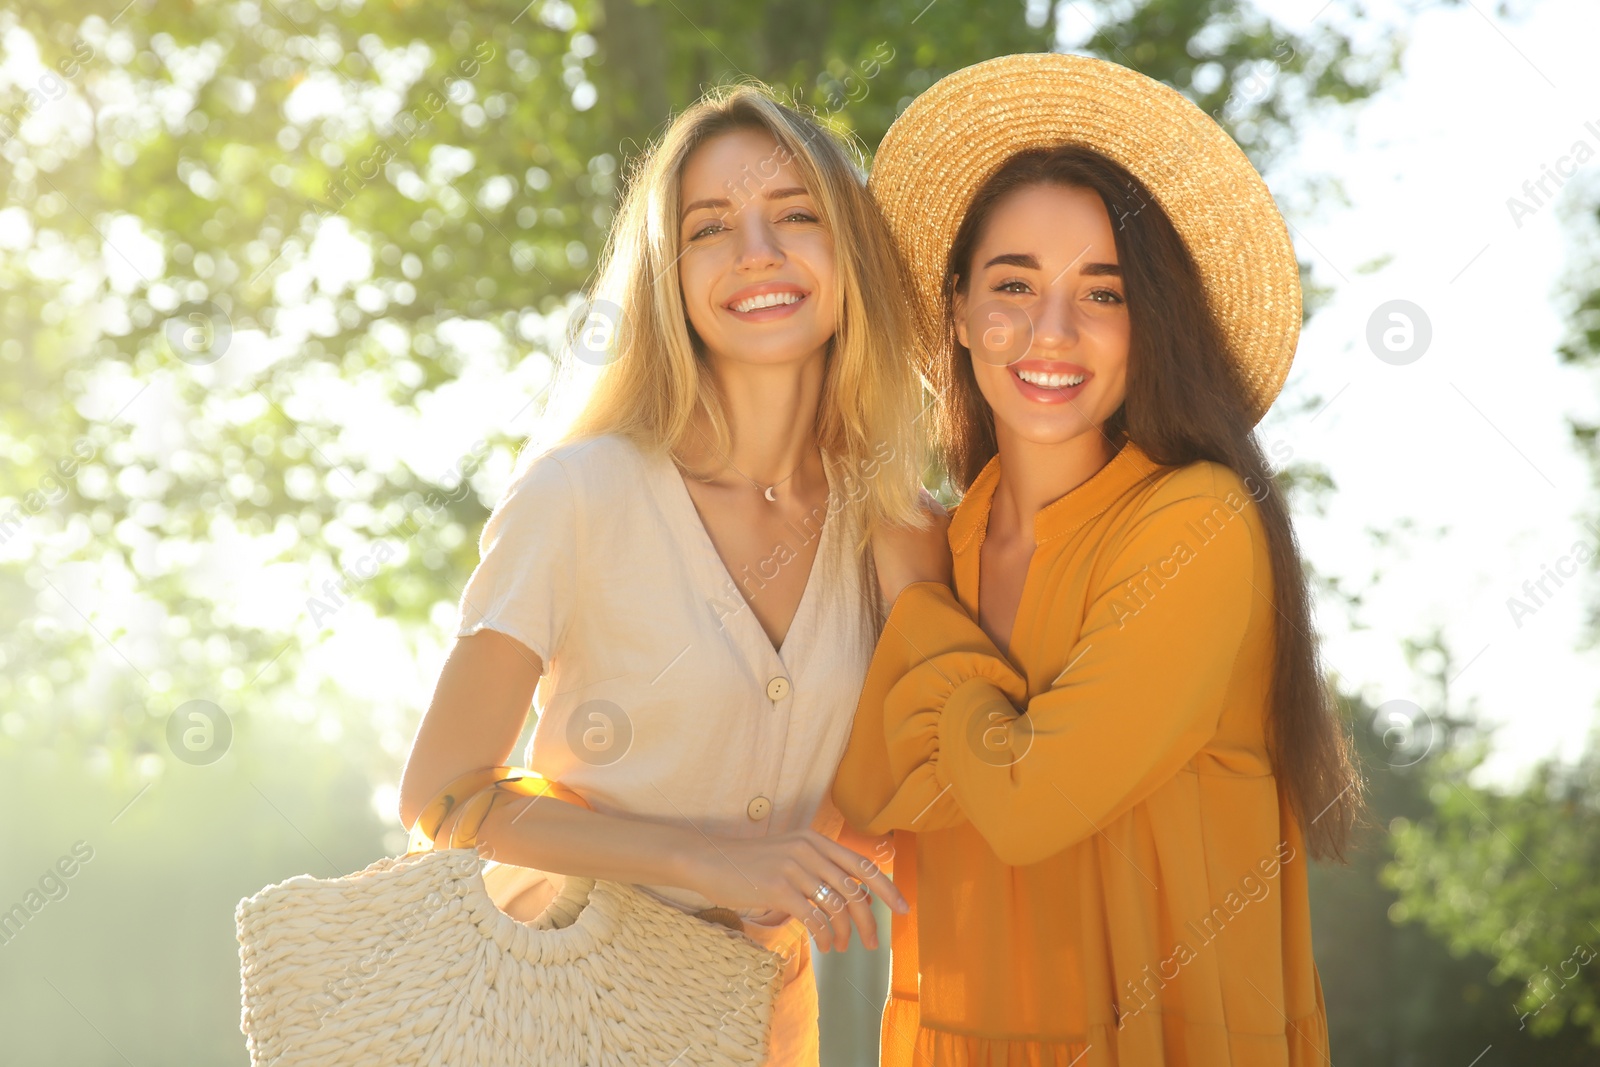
[(1050, 381), (766, 300)]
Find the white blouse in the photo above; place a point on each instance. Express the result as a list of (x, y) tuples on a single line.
[(664, 698)]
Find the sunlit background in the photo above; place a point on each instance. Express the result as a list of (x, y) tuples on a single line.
[(282, 288)]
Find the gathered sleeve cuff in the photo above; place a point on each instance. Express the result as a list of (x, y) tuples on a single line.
[(891, 776)]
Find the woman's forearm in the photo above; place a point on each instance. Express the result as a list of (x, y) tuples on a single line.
[(552, 835), (772, 877)]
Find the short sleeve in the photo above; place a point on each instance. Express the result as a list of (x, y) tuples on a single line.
[(525, 582)]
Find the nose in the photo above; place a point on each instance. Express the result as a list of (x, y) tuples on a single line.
[(757, 248), (1055, 324)]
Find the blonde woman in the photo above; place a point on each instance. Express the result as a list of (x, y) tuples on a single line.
[(695, 576)]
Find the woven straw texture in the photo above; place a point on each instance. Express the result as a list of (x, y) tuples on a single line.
[(954, 136), (410, 962)]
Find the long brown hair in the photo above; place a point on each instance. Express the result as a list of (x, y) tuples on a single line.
[(1185, 403)]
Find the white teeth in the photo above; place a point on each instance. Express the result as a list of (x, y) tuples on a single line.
[(1050, 381), (767, 300)]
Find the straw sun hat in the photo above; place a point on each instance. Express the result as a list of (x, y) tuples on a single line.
[(954, 136)]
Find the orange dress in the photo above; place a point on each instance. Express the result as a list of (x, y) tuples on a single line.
[(1108, 876)]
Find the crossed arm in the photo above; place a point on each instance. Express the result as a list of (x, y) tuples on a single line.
[(948, 733)]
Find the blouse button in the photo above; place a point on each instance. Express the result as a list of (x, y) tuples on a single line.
[(778, 688), (759, 808)]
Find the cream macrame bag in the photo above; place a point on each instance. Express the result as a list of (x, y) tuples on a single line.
[(410, 961)]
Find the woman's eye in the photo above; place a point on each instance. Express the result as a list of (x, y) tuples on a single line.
[(1011, 287), (1116, 297), (799, 216), (708, 228)]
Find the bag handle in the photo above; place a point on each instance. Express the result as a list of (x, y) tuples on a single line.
[(475, 794)]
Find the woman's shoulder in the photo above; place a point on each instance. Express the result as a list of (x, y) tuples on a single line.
[(584, 487), (1196, 503), (1178, 501), (593, 466), (1202, 480)]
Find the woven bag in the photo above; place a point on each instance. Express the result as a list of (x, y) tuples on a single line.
[(410, 961)]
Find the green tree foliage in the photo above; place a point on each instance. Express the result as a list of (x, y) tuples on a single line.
[(1510, 874), (1399, 992), (169, 341)]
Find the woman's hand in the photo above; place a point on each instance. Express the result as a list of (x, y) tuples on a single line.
[(879, 848), (782, 873), (906, 554)]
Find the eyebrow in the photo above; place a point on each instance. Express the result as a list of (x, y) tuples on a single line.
[(1030, 262), (722, 202)]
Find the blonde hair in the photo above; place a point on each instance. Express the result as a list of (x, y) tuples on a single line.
[(657, 382)]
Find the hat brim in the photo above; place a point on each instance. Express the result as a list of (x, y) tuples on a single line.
[(954, 136)]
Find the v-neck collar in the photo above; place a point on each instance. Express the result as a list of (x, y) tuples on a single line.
[(717, 567), (1130, 466), (1062, 516)]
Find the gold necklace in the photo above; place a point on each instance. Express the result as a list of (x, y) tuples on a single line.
[(769, 492)]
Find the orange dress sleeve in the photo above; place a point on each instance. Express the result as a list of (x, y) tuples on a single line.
[(939, 737), (888, 779)]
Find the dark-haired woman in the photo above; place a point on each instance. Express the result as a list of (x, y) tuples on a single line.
[(1108, 754)]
